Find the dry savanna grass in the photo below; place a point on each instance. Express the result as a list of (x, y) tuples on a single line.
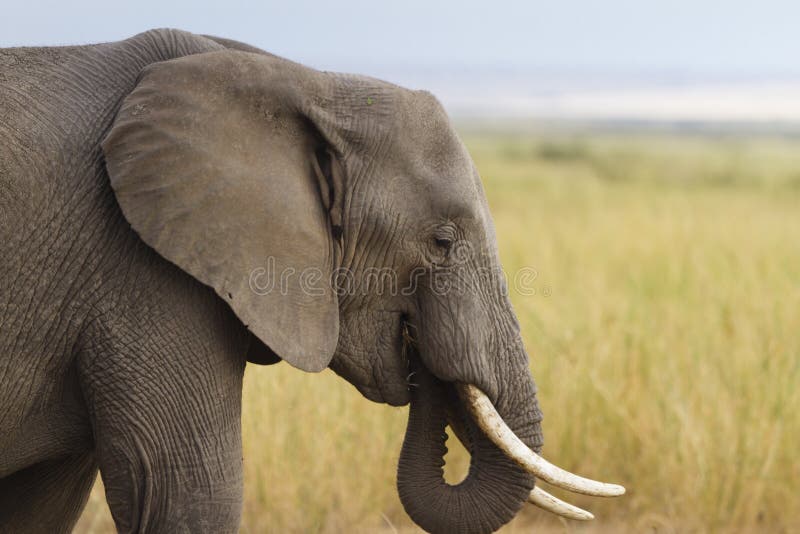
[(664, 334)]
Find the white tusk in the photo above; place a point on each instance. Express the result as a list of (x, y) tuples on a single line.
[(496, 429), (545, 501)]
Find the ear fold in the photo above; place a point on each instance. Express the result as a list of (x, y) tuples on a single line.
[(214, 161), (329, 174)]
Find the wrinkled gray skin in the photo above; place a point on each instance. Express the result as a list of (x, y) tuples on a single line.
[(143, 185)]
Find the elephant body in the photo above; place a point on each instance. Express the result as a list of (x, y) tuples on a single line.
[(103, 343), (151, 192)]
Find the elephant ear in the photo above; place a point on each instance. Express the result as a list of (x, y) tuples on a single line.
[(212, 160)]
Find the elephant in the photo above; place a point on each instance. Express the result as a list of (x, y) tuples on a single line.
[(173, 206)]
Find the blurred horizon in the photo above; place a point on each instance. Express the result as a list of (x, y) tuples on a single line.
[(727, 63), (603, 98)]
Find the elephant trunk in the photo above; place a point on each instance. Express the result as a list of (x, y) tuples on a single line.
[(495, 487)]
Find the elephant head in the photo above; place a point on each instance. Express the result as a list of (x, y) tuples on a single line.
[(345, 224)]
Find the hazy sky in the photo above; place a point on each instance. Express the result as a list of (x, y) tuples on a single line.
[(636, 59), (738, 38)]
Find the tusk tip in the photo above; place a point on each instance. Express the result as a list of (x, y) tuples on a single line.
[(545, 501), (585, 516), (604, 489)]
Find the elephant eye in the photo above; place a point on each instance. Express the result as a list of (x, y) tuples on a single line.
[(444, 238), (444, 242)]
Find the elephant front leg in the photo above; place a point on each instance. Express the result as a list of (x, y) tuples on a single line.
[(166, 421), (153, 488)]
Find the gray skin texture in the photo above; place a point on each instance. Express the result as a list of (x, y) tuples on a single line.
[(150, 191)]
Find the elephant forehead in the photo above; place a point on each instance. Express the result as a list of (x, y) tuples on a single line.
[(445, 184), (427, 131)]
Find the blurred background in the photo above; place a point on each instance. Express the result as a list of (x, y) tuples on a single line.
[(644, 159)]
